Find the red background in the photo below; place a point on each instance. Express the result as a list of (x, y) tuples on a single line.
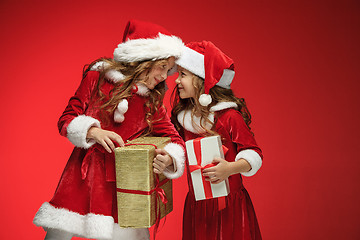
[(297, 65)]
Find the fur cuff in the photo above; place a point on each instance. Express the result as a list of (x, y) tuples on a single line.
[(253, 158), (78, 128), (88, 226), (178, 155)]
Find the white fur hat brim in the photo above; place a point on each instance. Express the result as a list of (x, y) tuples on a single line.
[(161, 47)]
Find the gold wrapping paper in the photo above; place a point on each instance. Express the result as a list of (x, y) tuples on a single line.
[(134, 171)]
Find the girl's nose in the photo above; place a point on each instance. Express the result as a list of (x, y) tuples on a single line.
[(164, 75), (177, 81)]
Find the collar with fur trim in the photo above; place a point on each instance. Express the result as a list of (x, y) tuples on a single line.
[(116, 76), (192, 123)]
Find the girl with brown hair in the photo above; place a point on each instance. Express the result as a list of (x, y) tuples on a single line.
[(204, 105)]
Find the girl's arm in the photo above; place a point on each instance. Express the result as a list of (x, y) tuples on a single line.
[(249, 157), (83, 130), (224, 169), (171, 161)]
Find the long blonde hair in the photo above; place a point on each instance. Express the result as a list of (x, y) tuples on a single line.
[(123, 88), (218, 94)]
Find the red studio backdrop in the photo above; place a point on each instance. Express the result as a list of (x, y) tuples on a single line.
[(297, 65)]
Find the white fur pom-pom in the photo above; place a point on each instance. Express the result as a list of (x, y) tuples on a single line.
[(123, 106), (114, 75), (99, 66), (205, 99), (118, 117), (121, 109)]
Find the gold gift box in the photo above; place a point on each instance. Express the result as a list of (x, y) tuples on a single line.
[(134, 171)]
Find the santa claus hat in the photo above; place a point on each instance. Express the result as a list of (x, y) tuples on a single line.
[(147, 41), (207, 61)]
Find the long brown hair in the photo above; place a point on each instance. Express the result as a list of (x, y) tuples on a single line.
[(123, 89), (218, 94)]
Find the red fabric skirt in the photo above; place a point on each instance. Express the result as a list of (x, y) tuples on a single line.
[(203, 221)]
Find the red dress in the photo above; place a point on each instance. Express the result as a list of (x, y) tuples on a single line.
[(84, 202), (201, 219)]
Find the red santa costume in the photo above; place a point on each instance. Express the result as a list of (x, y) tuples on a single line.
[(202, 219), (84, 203)]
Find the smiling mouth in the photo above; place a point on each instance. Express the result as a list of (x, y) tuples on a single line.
[(157, 81)]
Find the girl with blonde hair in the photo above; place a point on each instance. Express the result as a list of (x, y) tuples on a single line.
[(118, 99)]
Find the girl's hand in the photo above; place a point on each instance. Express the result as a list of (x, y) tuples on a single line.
[(161, 161), (218, 173), (105, 138)]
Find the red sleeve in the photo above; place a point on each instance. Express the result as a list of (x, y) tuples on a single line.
[(240, 134), (79, 102)]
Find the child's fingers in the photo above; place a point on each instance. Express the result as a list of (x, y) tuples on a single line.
[(156, 171), (103, 143), (160, 151), (158, 168), (159, 163), (210, 169), (160, 158), (218, 160), (211, 178), (110, 143), (209, 174), (117, 138)]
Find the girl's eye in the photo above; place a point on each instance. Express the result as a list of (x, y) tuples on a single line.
[(163, 66), (182, 74)]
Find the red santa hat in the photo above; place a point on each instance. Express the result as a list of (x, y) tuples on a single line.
[(207, 61), (147, 41)]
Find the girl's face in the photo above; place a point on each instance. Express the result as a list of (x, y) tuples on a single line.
[(185, 83), (158, 73)]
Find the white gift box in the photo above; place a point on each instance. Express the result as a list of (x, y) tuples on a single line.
[(201, 152)]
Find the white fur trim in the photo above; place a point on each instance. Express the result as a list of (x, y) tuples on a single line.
[(205, 100), (223, 105), (178, 155), (78, 128), (226, 78), (99, 66), (253, 158), (130, 233), (142, 90), (192, 123), (192, 61), (88, 226), (112, 75), (163, 46)]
